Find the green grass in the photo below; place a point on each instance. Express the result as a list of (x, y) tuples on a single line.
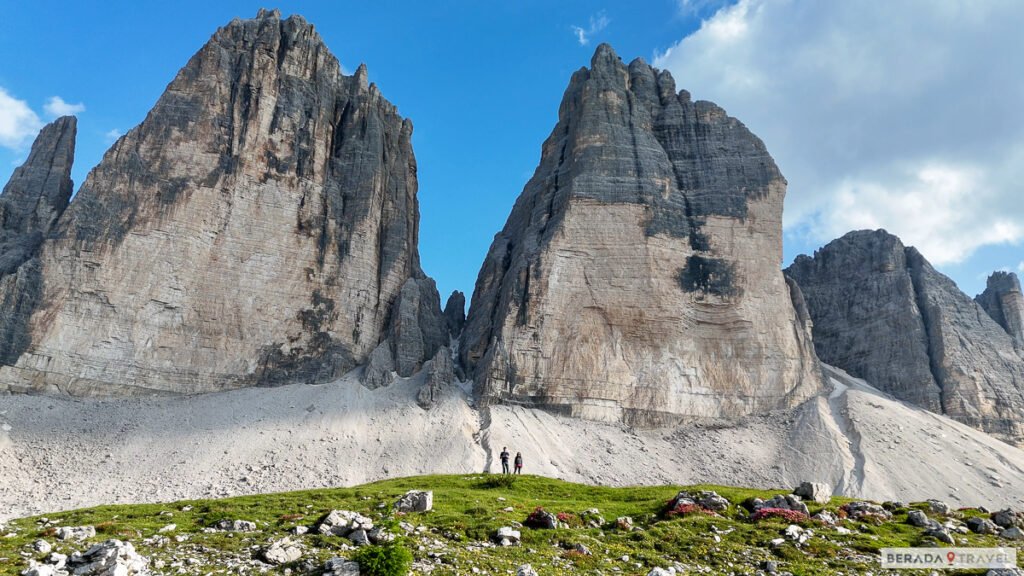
[(467, 511)]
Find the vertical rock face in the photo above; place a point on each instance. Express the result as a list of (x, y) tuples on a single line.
[(257, 228), (637, 278), (1003, 301), (882, 313), (32, 201)]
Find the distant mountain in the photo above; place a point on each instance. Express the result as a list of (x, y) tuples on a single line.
[(883, 313)]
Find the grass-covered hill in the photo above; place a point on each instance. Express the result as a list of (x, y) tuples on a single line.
[(457, 535)]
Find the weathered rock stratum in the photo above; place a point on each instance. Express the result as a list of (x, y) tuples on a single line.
[(637, 278), (260, 226), (881, 312)]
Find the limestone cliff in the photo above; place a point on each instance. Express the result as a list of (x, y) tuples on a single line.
[(1003, 301), (637, 277), (881, 312), (257, 228), (32, 201)]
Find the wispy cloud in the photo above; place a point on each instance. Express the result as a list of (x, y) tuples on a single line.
[(112, 135), (18, 123), (1020, 266), (598, 22), (56, 106)]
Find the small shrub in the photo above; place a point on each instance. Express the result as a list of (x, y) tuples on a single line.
[(540, 518), (569, 519), (506, 481), (788, 515), (290, 517), (683, 509), (383, 560)]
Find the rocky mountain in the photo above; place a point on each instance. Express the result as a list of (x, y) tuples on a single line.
[(32, 201), (881, 312), (637, 278), (1003, 301), (260, 226)]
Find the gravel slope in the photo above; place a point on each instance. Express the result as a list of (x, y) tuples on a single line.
[(63, 453)]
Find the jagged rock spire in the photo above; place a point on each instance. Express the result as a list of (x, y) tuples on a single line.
[(1003, 301), (257, 228), (637, 277)]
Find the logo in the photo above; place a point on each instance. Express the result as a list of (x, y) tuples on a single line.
[(923, 558)]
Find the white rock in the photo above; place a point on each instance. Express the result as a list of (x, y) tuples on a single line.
[(415, 501), (341, 567), (282, 552), (75, 532)]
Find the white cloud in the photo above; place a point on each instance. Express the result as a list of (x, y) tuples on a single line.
[(1020, 266), (56, 106), (901, 115), (598, 22), (18, 123), (112, 135)]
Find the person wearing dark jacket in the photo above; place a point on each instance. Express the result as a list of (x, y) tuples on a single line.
[(504, 460), (519, 463)]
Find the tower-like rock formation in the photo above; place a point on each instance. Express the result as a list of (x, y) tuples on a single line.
[(1003, 301), (257, 228), (637, 277), (881, 312), (32, 201)]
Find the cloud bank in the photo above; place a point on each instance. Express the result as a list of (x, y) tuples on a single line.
[(901, 115), (18, 123), (56, 106)]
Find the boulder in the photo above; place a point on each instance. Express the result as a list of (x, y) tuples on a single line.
[(342, 522), (525, 570), (940, 534), (861, 510), (624, 523), (75, 532), (982, 526), (507, 536), (282, 552), (814, 491), (415, 501), (1012, 534), (236, 526), (109, 558), (784, 502), (918, 518), (1006, 518), (42, 546), (340, 567), (939, 507), (359, 537)]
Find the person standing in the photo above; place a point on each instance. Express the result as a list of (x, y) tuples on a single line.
[(504, 460), (519, 462)]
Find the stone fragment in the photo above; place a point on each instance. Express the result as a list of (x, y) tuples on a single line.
[(341, 567), (507, 536), (342, 522), (982, 526), (282, 552), (75, 532), (109, 558), (236, 526), (814, 491), (415, 501)]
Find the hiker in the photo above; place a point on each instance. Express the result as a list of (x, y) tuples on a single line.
[(519, 462), (504, 460)]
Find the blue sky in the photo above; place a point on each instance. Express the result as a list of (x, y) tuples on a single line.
[(481, 82)]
